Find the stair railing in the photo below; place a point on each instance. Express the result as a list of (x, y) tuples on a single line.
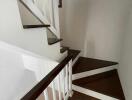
[(59, 81)]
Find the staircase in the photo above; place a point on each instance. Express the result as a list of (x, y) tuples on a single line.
[(79, 78), (95, 79)]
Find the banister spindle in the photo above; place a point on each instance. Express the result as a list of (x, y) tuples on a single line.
[(53, 90), (67, 79), (64, 97), (70, 77), (46, 94), (59, 87)]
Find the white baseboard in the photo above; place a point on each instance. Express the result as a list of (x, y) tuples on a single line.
[(93, 72), (92, 93)]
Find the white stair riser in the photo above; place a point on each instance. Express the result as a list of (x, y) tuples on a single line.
[(93, 72), (92, 93)]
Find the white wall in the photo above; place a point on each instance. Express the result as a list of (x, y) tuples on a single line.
[(26, 16), (73, 17), (14, 79), (125, 69), (12, 32), (94, 26), (20, 70)]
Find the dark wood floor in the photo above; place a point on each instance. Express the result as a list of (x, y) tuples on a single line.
[(80, 96), (107, 83), (86, 64)]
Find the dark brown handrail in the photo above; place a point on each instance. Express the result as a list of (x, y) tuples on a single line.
[(43, 84)]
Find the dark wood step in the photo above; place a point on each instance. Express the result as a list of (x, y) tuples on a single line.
[(73, 53), (60, 4), (34, 26), (52, 41), (64, 49), (86, 64), (107, 83), (80, 96)]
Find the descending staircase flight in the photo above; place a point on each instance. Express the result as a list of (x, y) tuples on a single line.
[(102, 85)]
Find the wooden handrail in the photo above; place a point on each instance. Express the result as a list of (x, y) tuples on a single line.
[(43, 84)]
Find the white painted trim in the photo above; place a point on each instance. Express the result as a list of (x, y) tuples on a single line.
[(93, 72), (92, 93), (74, 61)]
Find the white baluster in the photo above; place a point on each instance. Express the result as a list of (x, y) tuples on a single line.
[(70, 78), (46, 94), (53, 90), (59, 87), (64, 97), (67, 78)]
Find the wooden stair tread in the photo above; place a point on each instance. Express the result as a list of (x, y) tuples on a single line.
[(80, 96), (86, 64), (73, 53), (63, 49), (34, 26), (107, 83), (52, 41)]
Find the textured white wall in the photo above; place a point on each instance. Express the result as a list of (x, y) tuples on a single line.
[(14, 78), (20, 70), (94, 26), (106, 24), (125, 68)]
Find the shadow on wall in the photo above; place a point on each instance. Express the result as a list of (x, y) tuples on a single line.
[(74, 23), (90, 49), (94, 27)]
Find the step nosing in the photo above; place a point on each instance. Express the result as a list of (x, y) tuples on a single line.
[(99, 92), (91, 69), (88, 64), (103, 83)]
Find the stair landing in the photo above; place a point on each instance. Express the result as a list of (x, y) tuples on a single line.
[(107, 83), (86, 64)]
